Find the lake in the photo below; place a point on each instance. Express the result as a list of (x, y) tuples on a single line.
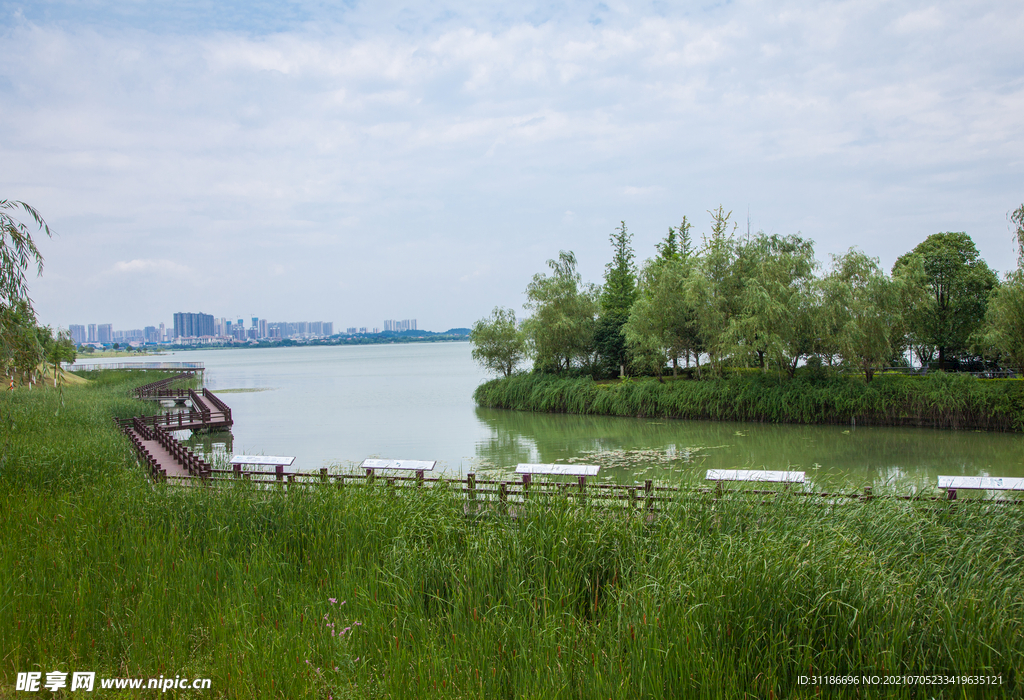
[(337, 405)]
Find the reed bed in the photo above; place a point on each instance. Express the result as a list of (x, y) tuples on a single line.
[(937, 400), (376, 592)]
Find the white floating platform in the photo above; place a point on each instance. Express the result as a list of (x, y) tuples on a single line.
[(263, 460), (754, 475), (990, 483), (413, 465), (559, 469)]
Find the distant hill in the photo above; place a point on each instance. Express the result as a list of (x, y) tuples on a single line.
[(456, 331)]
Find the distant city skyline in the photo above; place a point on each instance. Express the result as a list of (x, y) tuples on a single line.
[(202, 325)]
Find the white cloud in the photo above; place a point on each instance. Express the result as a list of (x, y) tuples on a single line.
[(317, 150), (158, 267)]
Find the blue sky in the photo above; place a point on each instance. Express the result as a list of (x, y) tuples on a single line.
[(355, 162)]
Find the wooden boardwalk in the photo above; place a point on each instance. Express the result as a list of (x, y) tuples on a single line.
[(151, 434)]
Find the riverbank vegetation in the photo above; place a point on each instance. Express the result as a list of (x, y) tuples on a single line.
[(373, 593), (938, 400), (764, 301)]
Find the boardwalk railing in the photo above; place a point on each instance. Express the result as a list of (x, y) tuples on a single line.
[(490, 493), (161, 388)]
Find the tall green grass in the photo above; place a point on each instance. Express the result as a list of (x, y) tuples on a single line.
[(102, 571), (937, 400)]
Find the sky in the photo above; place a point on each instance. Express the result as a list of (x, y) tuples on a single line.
[(361, 161)]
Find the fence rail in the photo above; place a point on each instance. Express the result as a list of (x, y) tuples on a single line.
[(185, 366), (482, 494)]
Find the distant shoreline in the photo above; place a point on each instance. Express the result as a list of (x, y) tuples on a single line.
[(287, 343), (386, 338)]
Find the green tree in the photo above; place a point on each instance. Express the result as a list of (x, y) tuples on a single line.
[(498, 342), (711, 289), (57, 347), (777, 315), (677, 244), (661, 323), (1017, 221), (617, 297), (20, 349), (560, 333), (1004, 320), (17, 250), (865, 309), (958, 283)]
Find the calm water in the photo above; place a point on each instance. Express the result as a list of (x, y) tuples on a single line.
[(335, 406)]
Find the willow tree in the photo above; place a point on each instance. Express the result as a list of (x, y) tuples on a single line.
[(1004, 318), (865, 307), (777, 301), (20, 348), (560, 333)]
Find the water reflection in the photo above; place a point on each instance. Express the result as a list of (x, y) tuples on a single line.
[(833, 456)]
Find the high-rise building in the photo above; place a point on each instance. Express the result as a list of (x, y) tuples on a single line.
[(351, 331), (77, 334), (163, 332), (408, 324), (263, 328), (189, 325), (105, 333), (92, 333), (151, 334), (328, 328)]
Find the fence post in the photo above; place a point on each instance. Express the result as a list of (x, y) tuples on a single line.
[(867, 493), (279, 469), (951, 495), (238, 471), (649, 493), (526, 486), (502, 494), (582, 480), (323, 474), (419, 477), (471, 483)]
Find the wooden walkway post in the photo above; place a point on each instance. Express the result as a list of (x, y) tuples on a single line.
[(471, 483)]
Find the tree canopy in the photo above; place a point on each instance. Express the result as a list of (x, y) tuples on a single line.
[(561, 331), (499, 344), (959, 283), (762, 301), (21, 341)]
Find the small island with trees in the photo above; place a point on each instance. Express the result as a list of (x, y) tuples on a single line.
[(754, 327)]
